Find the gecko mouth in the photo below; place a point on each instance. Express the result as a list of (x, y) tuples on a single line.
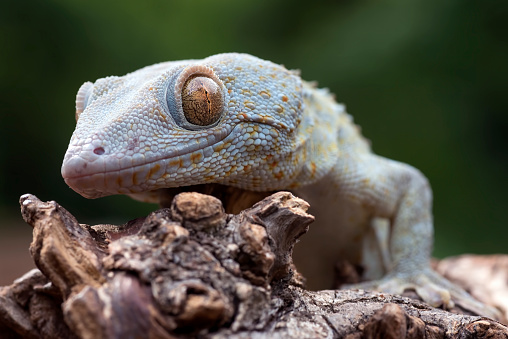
[(126, 180), (96, 174)]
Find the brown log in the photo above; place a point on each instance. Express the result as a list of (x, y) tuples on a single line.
[(192, 270)]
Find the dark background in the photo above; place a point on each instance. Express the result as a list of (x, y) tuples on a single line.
[(426, 80)]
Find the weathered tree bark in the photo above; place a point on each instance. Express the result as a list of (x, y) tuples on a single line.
[(485, 277), (191, 270)]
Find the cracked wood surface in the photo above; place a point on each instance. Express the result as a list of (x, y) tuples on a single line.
[(192, 270)]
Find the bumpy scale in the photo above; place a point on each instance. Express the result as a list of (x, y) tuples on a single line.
[(238, 120)]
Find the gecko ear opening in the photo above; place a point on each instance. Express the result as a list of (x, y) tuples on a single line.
[(196, 98), (82, 97)]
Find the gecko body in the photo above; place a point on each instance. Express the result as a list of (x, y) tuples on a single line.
[(237, 120)]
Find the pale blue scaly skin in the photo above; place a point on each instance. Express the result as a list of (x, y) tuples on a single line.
[(273, 131)]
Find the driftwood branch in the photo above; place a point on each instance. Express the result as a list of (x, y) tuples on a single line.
[(193, 270)]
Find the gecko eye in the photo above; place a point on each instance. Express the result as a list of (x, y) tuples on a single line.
[(82, 97), (202, 101), (195, 97)]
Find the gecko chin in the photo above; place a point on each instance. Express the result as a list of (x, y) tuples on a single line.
[(88, 177), (101, 184), (82, 185)]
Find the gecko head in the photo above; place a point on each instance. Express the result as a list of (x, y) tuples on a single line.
[(230, 118)]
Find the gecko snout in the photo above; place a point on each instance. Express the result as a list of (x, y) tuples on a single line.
[(84, 173)]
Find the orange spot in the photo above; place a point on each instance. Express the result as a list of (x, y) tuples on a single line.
[(238, 68), (249, 104), (119, 181), (278, 175), (233, 168), (284, 98), (153, 170), (176, 162), (246, 168), (229, 91), (150, 89), (218, 148), (262, 78), (265, 94), (313, 168), (273, 164), (135, 178), (195, 157)]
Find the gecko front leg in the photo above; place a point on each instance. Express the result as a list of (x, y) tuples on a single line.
[(400, 193)]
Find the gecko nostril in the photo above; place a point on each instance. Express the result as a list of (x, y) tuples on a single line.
[(99, 151)]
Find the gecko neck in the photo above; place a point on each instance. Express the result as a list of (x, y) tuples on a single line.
[(316, 136)]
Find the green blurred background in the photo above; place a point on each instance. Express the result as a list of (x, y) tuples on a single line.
[(426, 80)]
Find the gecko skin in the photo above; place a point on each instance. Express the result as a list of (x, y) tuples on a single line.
[(237, 120)]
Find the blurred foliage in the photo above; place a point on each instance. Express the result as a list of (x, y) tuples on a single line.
[(425, 79)]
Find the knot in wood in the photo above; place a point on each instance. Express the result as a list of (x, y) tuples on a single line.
[(198, 211)]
